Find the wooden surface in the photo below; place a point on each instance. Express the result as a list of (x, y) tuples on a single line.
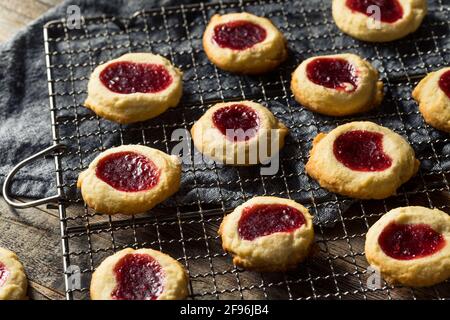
[(32, 233), (15, 14)]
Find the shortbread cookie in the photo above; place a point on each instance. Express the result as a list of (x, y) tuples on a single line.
[(238, 133), (143, 274), (244, 43), (13, 281), (134, 87), (433, 96), (361, 160), (411, 246), (379, 21), (268, 234), (337, 85), (129, 179)]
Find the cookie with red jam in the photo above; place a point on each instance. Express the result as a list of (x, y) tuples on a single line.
[(13, 281), (378, 20), (268, 234), (411, 246), (361, 160), (129, 179), (239, 133), (244, 43), (142, 274), (433, 96), (134, 87), (337, 85)]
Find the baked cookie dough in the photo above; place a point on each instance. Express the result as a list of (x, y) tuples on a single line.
[(238, 133), (361, 160), (433, 96), (129, 179), (143, 274), (134, 87), (268, 234), (244, 43), (337, 85), (13, 281), (397, 18), (411, 246)]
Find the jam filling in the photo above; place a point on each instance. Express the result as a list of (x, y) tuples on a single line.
[(444, 83), (237, 121), (4, 273), (130, 77), (333, 73), (410, 241), (361, 150), (138, 277), (264, 219), (128, 171), (238, 35), (390, 10)]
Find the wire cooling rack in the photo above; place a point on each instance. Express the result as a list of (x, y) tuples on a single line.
[(186, 226)]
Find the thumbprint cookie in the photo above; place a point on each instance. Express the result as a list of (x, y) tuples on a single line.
[(433, 95), (411, 246), (142, 274), (134, 87), (337, 85), (378, 21), (361, 160), (13, 281), (238, 133), (268, 234), (244, 43), (129, 179)]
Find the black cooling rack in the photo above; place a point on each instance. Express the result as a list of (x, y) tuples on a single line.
[(186, 226)]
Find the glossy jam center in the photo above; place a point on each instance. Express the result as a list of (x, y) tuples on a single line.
[(238, 35), (444, 83), (410, 241), (128, 171), (237, 121), (361, 150), (129, 77), (4, 273), (264, 219), (138, 277), (333, 73), (390, 10)]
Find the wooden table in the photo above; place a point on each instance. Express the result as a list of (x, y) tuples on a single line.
[(15, 14), (32, 233)]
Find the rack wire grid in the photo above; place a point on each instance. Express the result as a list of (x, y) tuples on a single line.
[(187, 230)]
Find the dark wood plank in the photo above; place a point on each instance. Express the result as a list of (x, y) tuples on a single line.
[(34, 236)]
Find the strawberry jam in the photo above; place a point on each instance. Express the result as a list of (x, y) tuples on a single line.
[(237, 121), (264, 219), (130, 77), (361, 150), (333, 73), (238, 35), (444, 83), (4, 273), (138, 277), (410, 241), (128, 171), (390, 10)]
